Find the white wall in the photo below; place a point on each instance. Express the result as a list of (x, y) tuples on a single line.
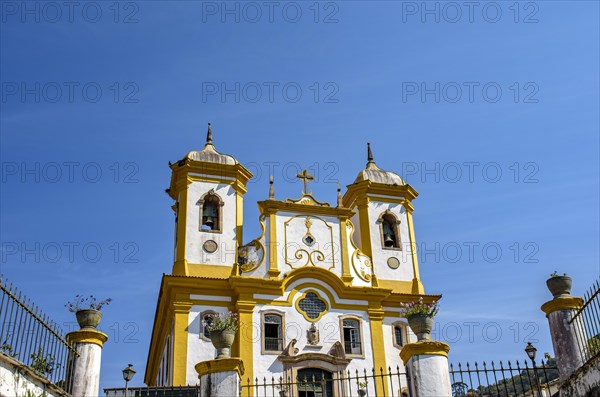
[(296, 326), (17, 379), (198, 348), (325, 230), (226, 241), (380, 255)]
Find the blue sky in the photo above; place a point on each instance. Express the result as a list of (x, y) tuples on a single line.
[(490, 113)]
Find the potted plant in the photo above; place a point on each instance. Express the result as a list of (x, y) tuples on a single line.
[(362, 387), (87, 310), (559, 286), (420, 317), (221, 331), (283, 390)]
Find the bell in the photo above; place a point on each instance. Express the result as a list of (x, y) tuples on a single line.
[(209, 221), (388, 241)]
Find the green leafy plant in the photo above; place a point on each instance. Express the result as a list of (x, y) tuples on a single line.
[(86, 302), (8, 350), (282, 387), (362, 385), (555, 274), (222, 322), (594, 345), (42, 364), (419, 307)]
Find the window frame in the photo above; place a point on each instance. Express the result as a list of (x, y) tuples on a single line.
[(403, 332), (395, 225), (220, 204), (304, 314), (202, 315), (271, 312), (360, 333)]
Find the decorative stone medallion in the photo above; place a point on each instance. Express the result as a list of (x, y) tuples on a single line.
[(393, 262), (210, 246)]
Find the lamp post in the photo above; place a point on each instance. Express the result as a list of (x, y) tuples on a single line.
[(128, 375), (531, 350)]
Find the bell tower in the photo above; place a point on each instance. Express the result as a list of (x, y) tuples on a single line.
[(383, 208), (208, 188)]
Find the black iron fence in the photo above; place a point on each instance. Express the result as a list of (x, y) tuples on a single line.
[(319, 383), (154, 391), (586, 323), (32, 338), (504, 380)]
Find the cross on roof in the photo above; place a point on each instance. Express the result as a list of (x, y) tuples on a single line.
[(305, 176)]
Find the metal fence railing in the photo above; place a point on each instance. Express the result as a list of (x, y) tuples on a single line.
[(154, 391), (320, 383), (586, 323), (504, 381), (273, 344), (32, 338)]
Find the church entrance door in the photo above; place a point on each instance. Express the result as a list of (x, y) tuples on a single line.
[(314, 382)]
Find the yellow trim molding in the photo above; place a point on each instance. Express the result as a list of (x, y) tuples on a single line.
[(378, 346), (181, 310), (273, 206), (87, 336), (417, 287), (564, 303), (220, 365), (429, 348), (363, 189)]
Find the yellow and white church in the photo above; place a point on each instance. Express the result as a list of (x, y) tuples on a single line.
[(319, 289)]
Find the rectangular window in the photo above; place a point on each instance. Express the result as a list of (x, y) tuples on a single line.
[(351, 335), (398, 335), (272, 333)]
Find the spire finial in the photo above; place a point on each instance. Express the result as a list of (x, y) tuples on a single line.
[(339, 196), (209, 135), (369, 153), (271, 188)]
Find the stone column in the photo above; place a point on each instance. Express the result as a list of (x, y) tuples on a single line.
[(427, 366), (86, 368), (220, 377), (564, 335)]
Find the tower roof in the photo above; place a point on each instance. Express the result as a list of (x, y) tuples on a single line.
[(209, 154), (375, 174)]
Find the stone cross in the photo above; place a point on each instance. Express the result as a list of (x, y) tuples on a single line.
[(305, 176)]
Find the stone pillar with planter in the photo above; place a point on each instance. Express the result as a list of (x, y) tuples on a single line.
[(220, 377), (88, 342), (426, 361), (86, 367), (427, 365), (559, 312)]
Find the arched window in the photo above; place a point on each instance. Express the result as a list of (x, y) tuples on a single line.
[(352, 336), (206, 318), (210, 212), (390, 233), (272, 332)]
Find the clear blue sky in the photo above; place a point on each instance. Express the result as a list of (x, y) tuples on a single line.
[(448, 98)]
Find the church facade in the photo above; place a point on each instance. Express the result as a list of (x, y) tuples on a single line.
[(319, 289)]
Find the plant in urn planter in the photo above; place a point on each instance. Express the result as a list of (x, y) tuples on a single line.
[(420, 317), (559, 286), (362, 387), (283, 389), (221, 330), (87, 310)]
